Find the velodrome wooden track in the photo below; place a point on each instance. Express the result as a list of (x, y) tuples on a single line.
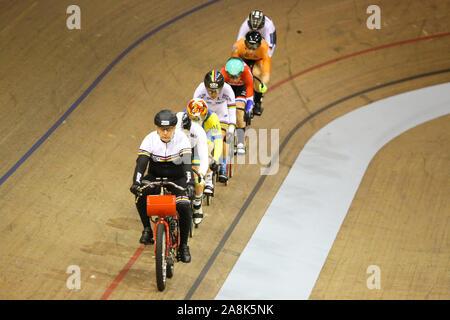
[(67, 202)]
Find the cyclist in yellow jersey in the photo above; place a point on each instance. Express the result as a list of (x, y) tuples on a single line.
[(197, 110)]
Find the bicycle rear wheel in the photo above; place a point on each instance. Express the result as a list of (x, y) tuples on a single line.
[(161, 257)]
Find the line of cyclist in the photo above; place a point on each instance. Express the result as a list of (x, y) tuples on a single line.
[(200, 136)]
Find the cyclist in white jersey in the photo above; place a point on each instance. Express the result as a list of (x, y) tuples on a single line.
[(200, 161), (219, 96), (259, 22)]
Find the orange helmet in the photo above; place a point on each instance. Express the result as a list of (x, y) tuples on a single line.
[(197, 109)]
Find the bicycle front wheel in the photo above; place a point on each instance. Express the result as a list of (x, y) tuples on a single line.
[(161, 257)]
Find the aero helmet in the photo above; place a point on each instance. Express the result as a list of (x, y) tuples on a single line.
[(214, 80), (234, 67), (165, 118), (197, 109), (253, 39), (256, 20), (186, 122)]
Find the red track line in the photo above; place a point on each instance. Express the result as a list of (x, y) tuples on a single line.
[(276, 85), (122, 273)]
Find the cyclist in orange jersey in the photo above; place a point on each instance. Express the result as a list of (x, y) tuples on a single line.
[(254, 50)]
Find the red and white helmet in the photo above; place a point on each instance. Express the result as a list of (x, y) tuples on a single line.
[(197, 109)]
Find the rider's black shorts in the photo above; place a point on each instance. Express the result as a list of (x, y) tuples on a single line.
[(250, 62), (240, 91)]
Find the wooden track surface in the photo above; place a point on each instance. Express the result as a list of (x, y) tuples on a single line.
[(403, 234), (68, 202)]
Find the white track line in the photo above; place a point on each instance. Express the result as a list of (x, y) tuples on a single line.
[(284, 256)]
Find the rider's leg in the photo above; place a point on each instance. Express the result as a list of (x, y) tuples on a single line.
[(209, 186), (197, 203), (185, 214), (141, 205), (240, 126), (223, 160), (257, 98), (224, 157), (184, 209), (198, 187)]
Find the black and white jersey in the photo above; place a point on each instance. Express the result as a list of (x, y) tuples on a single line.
[(268, 33), (165, 159), (224, 105), (199, 141)]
